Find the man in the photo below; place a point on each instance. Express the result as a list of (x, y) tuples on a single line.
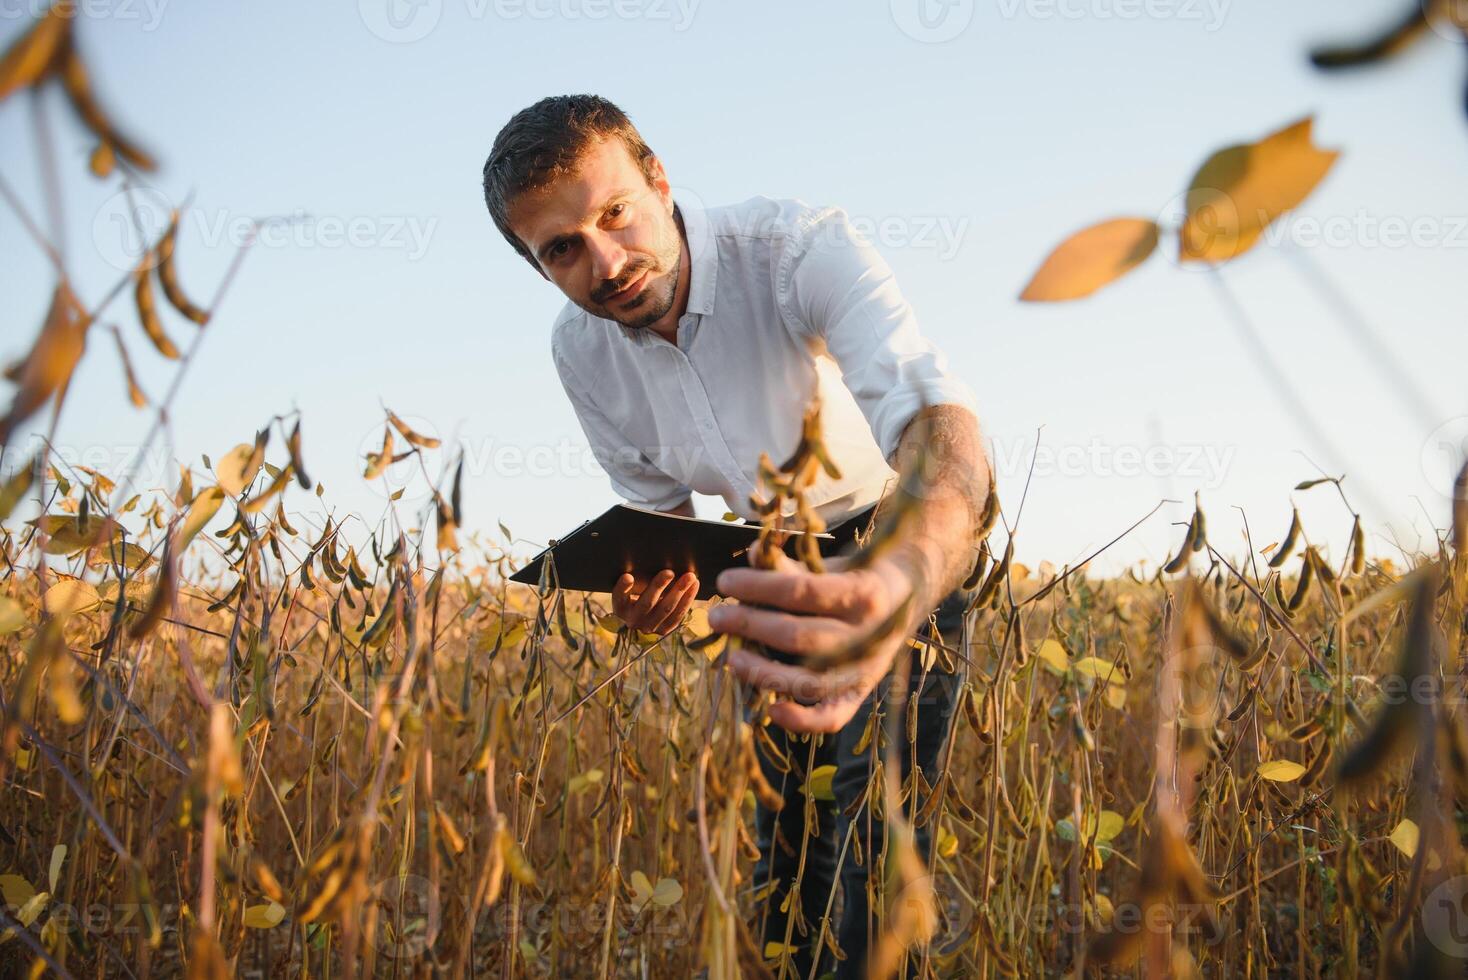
[(692, 341)]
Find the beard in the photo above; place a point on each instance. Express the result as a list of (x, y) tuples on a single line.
[(655, 300), (657, 296)]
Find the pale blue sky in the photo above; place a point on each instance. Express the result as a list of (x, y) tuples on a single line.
[(969, 157)]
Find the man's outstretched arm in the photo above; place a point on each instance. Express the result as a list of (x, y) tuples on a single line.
[(937, 544)]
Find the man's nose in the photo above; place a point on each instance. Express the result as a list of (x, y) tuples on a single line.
[(607, 257)]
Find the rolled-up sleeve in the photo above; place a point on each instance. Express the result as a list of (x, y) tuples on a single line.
[(633, 476), (835, 287)]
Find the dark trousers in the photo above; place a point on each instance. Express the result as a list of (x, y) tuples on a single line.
[(781, 835)]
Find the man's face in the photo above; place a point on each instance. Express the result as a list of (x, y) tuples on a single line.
[(605, 236)]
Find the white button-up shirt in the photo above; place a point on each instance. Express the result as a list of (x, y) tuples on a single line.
[(785, 300)]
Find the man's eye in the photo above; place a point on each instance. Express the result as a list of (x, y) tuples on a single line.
[(560, 249), (616, 210)]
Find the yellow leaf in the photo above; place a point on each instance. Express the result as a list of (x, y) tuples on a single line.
[(70, 595), (668, 892), (1108, 825), (819, 784), (641, 891), (698, 622), (12, 617), (715, 647), (201, 511), (509, 635), (1240, 190), (238, 467), (16, 890), (1092, 258), (1102, 670), (68, 535), (777, 950), (33, 908), (1052, 654), (947, 843), (264, 916), (1405, 837), (514, 857), (1281, 771), (1116, 696)]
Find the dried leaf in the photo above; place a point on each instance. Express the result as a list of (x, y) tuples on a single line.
[(134, 390), (426, 442), (47, 369), (79, 90), (1281, 771), (168, 276), (69, 595), (33, 55), (264, 916), (12, 617), (1092, 258), (1240, 190), (201, 511)]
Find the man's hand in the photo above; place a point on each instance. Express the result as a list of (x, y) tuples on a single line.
[(818, 615), (657, 606), (821, 614)]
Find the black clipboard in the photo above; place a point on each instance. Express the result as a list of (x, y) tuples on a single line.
[(627, 538)]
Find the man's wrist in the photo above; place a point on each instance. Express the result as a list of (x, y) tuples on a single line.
[(919, 563)]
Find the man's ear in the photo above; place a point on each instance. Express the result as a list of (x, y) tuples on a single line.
[(660, 182)]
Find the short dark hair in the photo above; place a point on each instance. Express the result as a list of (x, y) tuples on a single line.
[(542, 143)]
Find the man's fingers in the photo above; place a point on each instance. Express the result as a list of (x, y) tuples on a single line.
[(650, 595), (622, 596), (803, 685), (846, 595), (674, 618), (802, 635), (823, 718), (665, 615)]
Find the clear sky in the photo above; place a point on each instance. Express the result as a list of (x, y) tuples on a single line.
[(970, 137)]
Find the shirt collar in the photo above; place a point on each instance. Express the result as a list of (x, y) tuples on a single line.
[(703, 256), (703, 261)]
